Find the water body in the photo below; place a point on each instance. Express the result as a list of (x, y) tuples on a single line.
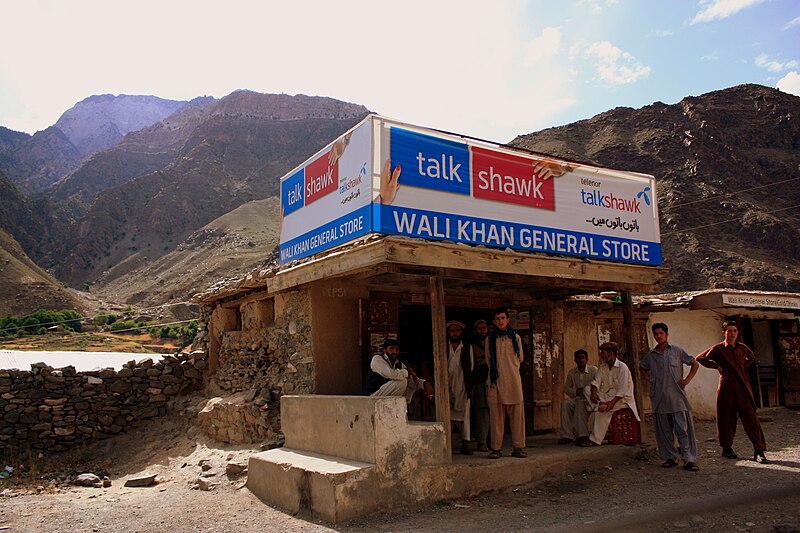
[(82, 361)]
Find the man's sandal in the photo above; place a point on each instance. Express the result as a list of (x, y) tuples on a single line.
[(495, 454), (669, 463), (519, 452), (691, 467)]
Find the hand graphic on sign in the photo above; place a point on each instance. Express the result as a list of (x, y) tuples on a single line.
[(338, 149), (546, 169), (389, 184)]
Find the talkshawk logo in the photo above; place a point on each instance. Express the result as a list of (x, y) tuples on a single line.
[(595, 197)]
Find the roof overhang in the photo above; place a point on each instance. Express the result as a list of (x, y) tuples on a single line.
[(398, 263), (724, 299)]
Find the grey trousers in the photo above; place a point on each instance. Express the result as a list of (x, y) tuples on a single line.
[(574, 418), (680, 425)]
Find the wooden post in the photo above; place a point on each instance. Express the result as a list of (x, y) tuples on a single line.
[(441, 385), (630, 339)]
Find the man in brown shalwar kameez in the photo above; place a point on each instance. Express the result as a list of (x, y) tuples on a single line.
[(504, 387), (734, 394)]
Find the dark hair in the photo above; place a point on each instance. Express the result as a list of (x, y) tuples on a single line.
[(581, 351), (391, 342), (728, 323), (499, 310), (660, 325), (610, 347)]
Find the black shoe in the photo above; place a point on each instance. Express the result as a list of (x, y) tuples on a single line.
[(729, 453), (759, 457), (564, 440), (466, 450)]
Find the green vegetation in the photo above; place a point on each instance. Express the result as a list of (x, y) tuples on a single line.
[(104, 319), (37, 323), (185, 333)]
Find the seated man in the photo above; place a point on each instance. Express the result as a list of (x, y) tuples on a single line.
[(387, 376), (611, 390), (574, 409)]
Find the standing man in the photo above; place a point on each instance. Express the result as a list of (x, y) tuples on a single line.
[(611, 390), (479, 406), (387, 376), (575, 407), (734, 395), (672, 414), (459, 370), (504, 389)]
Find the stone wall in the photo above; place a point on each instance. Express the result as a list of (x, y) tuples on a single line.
[(267, 356), (44, 409)]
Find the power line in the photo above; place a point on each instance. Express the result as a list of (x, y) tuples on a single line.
[(726, 221), (683, 204)]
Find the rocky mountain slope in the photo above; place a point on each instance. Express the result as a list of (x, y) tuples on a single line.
[(35, 162), (24, 287), (101, 121), (727, 168), (229, 246), (233, 152), (140, 152)]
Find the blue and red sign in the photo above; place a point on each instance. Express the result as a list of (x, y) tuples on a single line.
[(508, 178), (430, 162), (384, 177)]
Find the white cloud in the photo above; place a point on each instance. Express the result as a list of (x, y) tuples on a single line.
[(792, 23), (790, 83), (713, 56), (615, 66), (721, 9), (664, 33), (772, 65), (544, 47)]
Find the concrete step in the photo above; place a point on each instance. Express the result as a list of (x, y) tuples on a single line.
[(310, 483)]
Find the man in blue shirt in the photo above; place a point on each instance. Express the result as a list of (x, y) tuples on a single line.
[(672, 414)]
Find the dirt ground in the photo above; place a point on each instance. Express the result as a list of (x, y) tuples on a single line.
[(632, 494)]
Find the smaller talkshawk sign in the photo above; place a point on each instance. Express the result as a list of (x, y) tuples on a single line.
[(326, 201), (392, 178)]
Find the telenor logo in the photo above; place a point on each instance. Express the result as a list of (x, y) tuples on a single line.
[(321, 178), (430, 162), (507, 178)]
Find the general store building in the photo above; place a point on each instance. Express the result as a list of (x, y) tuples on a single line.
[(473, 226)]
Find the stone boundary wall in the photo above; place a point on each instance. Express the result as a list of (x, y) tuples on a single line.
[(51, 410)]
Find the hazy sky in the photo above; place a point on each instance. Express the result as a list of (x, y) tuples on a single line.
[(492, 69)]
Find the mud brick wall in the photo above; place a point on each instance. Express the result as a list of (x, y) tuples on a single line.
[(51, 410)]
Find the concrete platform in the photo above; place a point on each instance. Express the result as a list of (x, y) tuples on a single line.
[(391, 460), (471, 475)]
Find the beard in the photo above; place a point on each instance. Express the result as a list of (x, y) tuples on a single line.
[(454, 338)]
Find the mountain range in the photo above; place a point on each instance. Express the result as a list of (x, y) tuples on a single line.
[(144, 200)]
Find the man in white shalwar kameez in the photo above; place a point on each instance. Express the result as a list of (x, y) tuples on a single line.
[(459, 369), (611, 390)]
